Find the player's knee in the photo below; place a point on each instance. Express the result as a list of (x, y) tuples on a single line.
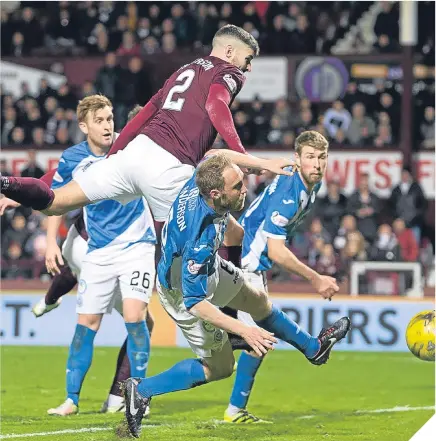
[(91, 321), (220, 369)]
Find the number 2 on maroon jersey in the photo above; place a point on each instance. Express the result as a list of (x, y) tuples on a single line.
[(185, 78)]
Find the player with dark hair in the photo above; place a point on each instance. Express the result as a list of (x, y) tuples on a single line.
[(159, 149)]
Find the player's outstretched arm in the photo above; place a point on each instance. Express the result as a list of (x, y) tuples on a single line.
[(279, 253), (260, 340), (53, 254)]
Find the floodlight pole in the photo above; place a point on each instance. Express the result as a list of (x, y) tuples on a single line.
[(408, 39)]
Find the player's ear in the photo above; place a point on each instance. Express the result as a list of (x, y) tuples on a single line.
[(229, 51), (215, 194), (83, 127), (298, 160)]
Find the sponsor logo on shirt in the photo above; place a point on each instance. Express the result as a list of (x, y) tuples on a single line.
[(279, 220), (193, 267), (230, 82)]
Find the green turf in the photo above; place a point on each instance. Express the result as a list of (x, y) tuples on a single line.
[(287, 388)]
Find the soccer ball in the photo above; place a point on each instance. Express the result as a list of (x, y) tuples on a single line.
[(420, 335)]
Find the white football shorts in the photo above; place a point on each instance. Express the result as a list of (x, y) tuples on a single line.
[(74, 250), (203, 337), (129, 275), (143, 168)]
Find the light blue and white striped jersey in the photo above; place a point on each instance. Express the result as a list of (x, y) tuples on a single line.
[(275, 213), (191, 237), (110, 225)]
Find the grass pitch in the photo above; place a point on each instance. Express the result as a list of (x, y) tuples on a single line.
[(355, 397)]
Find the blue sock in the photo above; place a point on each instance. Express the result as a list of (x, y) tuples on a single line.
[(245, 373), (138, 348), (288, 331), (79, 360), (184, 375)]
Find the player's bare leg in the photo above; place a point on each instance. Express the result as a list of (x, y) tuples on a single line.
[(36, 194)]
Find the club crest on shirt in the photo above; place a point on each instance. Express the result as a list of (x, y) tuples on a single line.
[(194, 268), (230, 82), (278, 219)]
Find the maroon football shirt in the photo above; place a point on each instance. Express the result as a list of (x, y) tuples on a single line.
[(182, 125)]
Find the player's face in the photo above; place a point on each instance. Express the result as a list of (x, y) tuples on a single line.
[(312, 164), (232, 198), (243, 57), (99, 127)]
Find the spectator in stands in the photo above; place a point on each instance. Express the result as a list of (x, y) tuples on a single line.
[(18, 136), (50, 106), (19, 48), (275, 132), (184, 27), (304, 121), (17, 233), (385, 246), (278, 41), (30, 27), (354, 250), (348, 226), (66, 98), (303, 40), (62, 138), (116, 34), (409, 203), (75, 135), (408, 246), (385, 45), (87, 89), (427, 128), (63, 30), (45, 91), (150, 46), (4, 170), (283, 113), (383, 136), (328, 263), (337, 117), (387, 104), (143, 30), (362, 127), (332, 207), (7, 30), (107, 76), (242, 125), (257, 114), (129, 46), (354, 95), (13, 267), (32, 169), (38, 137), (365, 206), (386, 22), (54, 122), (9, 123), (340, 137), (169, 43), (288, 139)]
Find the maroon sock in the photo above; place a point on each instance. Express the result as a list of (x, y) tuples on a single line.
[(61, 284), (231, 254), (29, 192), (123, 370)]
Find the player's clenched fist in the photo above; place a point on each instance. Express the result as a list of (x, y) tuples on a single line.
[(326, 286), (260, 340)]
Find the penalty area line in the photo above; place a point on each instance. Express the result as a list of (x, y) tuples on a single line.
[(392, 409), (62, 432)]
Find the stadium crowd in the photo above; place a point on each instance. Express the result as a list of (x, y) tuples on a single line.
[(341, 229)]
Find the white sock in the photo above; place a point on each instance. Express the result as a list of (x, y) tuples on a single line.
[(114, 400), (232, 410)]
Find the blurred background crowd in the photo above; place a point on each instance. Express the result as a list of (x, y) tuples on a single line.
[(342, 228)]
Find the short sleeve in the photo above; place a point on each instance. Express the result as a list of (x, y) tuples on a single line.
[(64, 173), (196, 260), (231, 78), (282, 207)]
